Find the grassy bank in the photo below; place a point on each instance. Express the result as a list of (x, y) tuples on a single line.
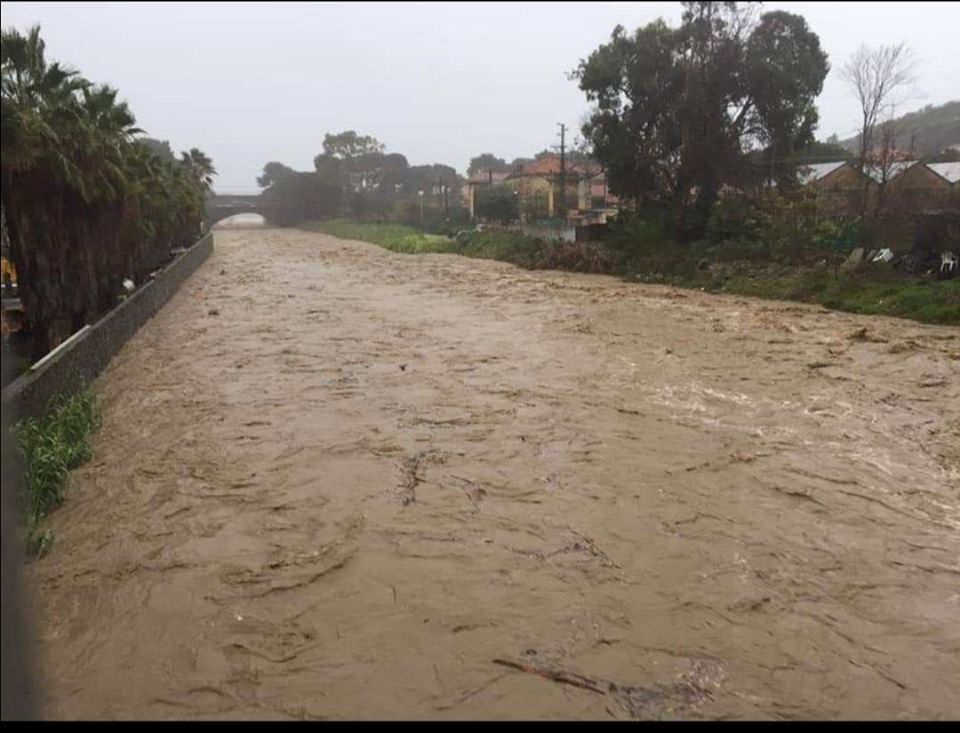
[(877, 291), (49, 449), (395, 237), (927, 301), (491, 244)]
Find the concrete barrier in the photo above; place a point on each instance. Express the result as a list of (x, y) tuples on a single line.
[(78, 361)]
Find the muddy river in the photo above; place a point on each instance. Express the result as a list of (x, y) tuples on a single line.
[(337, 482)]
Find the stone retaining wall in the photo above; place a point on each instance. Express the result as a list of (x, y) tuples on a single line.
[(77, 363)]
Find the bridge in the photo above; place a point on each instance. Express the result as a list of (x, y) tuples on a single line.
[(222, 206)]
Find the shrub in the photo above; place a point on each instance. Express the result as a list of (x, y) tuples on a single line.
[(502, 244), (50, 448), (498, 204), (645, 233), (732, 219), (577, 257)]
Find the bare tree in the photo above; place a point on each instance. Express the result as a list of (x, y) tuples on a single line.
[(889, 154), (880, 78)]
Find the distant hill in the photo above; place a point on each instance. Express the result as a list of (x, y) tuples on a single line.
[(935, 128)]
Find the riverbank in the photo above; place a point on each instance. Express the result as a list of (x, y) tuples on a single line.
[(875, 292)]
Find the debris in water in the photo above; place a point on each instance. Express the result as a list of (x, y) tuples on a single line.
[(557, 675), (863, 334), (640, 702), (408, 488)]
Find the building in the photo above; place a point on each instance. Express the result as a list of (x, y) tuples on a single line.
[(838, 185), (914, 187), (595, 203), (950, 172), (904, 184), (476, 183), (537, 185), (817, 174), (898, 197)]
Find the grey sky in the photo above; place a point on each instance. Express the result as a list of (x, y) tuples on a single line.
[(438, 82)]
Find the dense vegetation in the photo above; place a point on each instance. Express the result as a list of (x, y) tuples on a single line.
[(676, 111), (49, 449), (300, 196), (355, 176), (86, 203)]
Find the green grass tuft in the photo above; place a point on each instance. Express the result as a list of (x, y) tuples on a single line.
[(49, 449), (395, 237), (927, 301)]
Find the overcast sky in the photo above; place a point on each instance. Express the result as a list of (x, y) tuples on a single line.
[(438, 82)]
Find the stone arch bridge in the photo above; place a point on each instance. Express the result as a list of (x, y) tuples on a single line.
[(222, 206)]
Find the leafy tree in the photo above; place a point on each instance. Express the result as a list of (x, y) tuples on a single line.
[(498, 203), (822, 152), (429, 178), (636, 85), (301, 196), (355, 161), (273, 172), (366, 172), (395, 170), (786, 69), (348, 144), (484, 162), (370, 181), (329, 169), (677, 109), (517, 164)]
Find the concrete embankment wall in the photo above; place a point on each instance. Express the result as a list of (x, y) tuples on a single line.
[(78, 361)]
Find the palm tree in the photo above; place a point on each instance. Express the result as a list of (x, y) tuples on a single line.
[(108, 130), (86, 204), (200, 166), (41, 121), (37, 99)]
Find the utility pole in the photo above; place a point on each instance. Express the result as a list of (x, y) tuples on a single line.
[(563, 169)]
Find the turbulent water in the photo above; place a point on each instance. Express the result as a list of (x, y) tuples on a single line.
[(337, 482), (241, 221)]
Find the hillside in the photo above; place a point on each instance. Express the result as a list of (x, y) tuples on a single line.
[(934, 127)]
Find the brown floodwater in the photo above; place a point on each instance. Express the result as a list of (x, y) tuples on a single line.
[(337, 482)]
